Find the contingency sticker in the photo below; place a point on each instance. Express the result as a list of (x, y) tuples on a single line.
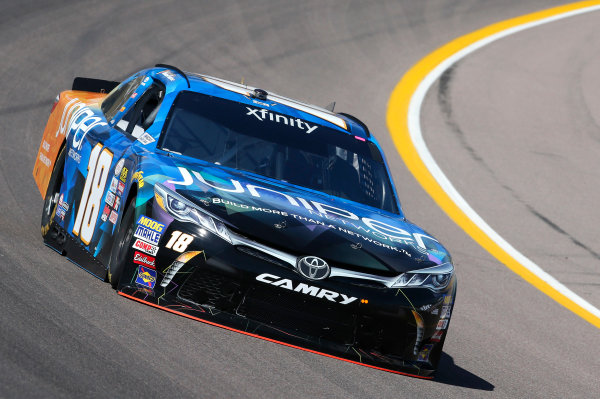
[(146, 139), (123, 176), (147, 234), (105, 213), (151, 224), (113, 217), (113, 185), (145, 247), (442, 324), (110, 198), (445, 312), (143, 259), (437, 336), (146, 277), (424, 354)]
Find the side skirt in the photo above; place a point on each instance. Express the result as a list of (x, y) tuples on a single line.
[(58, 239)]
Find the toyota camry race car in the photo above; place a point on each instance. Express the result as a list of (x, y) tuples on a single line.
[(244, 209)]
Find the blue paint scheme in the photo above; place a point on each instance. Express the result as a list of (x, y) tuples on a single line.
[(158, 166)]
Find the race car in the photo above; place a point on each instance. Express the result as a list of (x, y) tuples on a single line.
[(238, 207)]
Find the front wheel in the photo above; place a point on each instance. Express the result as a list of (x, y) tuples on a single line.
[(53, 192), (118, 256)]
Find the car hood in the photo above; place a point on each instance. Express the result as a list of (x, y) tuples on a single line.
[(301, 221)]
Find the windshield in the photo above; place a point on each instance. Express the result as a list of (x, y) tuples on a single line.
[(282, 147)]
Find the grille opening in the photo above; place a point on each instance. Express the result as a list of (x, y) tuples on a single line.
[(262, 256), (205, 287), (301, 313)]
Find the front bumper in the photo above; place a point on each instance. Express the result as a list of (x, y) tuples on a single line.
[(250, 292)]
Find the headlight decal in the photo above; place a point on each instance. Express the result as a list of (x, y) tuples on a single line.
[(184, 210), (435, 278)]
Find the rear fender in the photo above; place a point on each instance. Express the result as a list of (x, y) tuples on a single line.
[(59, 123)]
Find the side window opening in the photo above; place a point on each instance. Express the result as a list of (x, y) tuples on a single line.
[(116, 98), (141, 116)]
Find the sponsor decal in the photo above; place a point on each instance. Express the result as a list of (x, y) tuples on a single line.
[(139, 177), (447, 299), (423, 356), (146, 80), (134, 95), (264, 115), (124, 172), (119, 166), (425, 307), (263, 104), (74, 155), (122, 109), (445, 312), (117, 203), (45, 160), (79, 120), (143, 259), (146, 139), (168, 74), (151, 224), (60, 212), (62, 208), (359, 227), (281, 225), (179, 241), (113, 185), (46, 146), (105, 213), (147, 234), (110, 199), (435, 311), (145, 247), (146, 277), (113, 217), (313, 268), (437, 336), (120, 188), (442, 324), (306, 289)]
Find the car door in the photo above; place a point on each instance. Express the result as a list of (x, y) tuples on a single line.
[(99, 181)]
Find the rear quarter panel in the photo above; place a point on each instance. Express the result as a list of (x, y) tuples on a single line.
[(59, 123)]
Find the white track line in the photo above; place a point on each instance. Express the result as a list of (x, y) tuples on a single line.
[(414, 126)]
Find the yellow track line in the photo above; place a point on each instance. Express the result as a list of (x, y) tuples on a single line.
[(403, 119)]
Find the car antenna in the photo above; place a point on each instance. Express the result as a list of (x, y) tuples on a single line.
[(179, 71), (330, 107)]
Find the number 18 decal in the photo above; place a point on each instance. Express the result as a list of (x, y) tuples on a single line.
[(89, 206), (179, 241)]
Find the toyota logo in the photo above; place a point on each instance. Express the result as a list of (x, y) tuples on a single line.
[(313, 268)]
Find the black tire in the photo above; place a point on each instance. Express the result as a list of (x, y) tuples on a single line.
[(118, 255), (52, 192)]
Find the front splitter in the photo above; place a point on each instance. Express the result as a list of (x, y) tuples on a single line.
[(269, 333)]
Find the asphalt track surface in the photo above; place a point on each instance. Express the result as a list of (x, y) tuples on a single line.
[(516, 127)]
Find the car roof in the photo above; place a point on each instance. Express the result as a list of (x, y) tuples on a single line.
[(177, 80)]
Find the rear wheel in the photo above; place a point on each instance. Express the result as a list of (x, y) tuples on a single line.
[(53, 193), (118, 257)]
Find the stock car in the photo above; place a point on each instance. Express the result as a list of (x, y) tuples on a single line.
[(247, 210)]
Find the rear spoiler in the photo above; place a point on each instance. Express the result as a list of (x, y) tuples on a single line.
[(93, 85)]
